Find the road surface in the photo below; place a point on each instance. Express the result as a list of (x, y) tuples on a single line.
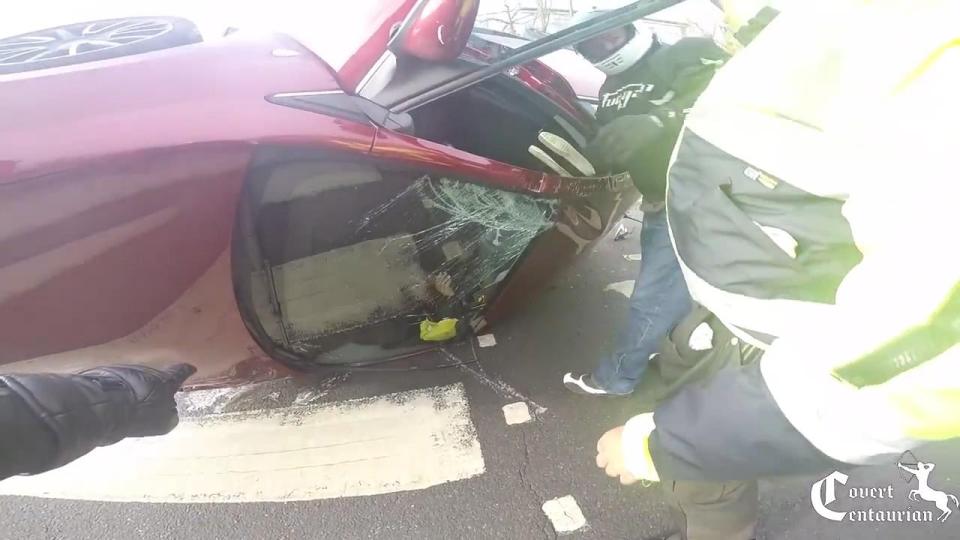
[(477, 476)]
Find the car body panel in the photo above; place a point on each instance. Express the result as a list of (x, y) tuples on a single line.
[(118, 202), (196, 93), (436, 30), (350, 38), (74, 273), (101, 235), (202, 327), (391, 145)]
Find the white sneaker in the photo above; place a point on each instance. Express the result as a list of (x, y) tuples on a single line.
[(585, 385)]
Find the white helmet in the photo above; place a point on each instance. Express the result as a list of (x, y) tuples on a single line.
[(616, 50)]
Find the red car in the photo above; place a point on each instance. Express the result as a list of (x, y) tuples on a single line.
[(239, 201)]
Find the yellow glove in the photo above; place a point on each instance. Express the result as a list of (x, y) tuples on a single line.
[(625, 451), (443, 330)]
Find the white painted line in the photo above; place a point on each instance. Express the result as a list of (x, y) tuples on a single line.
[(564, 513), (632, 257), (516, 413), (623, 287), (399, 442), (486, 340)]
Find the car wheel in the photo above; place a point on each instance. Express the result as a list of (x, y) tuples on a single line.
[(96, 40)]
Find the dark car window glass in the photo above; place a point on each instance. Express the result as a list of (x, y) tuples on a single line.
[(353, 258)]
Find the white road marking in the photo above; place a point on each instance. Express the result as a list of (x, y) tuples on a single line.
[(516, 413), (398, 442), (565, 514), (633, 257), (623, 287), (486, 340)]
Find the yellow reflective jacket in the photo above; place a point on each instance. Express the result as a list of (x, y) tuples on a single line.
[(855, 100)]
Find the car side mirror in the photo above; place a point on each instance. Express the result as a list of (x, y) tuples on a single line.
[(435, 30)]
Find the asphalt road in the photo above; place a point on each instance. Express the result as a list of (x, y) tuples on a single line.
[(526, 465)]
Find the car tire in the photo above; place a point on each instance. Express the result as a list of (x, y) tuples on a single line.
[(79, 43)]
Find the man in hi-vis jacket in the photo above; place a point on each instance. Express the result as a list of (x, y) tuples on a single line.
[(812, 205)]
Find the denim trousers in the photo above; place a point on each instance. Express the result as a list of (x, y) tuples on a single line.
[(659, 301)]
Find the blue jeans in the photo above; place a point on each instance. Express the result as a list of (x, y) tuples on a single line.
[(659, 302)]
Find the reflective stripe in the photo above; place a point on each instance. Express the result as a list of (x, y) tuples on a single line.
[(774, 316), (929, 398), (865, 425), (908, 350), (847, 424)]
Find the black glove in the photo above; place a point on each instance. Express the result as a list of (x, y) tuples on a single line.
[(154, 411), (623, 137), (69, 415)]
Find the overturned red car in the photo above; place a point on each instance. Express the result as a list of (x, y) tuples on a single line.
[(240, 201)]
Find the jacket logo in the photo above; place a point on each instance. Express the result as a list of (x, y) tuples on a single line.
[(621, 97)]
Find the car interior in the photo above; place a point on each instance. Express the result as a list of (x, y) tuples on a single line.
[(499, 118)]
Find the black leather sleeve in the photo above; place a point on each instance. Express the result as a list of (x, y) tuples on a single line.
[(26, 444), (48, 420), (688, 65)]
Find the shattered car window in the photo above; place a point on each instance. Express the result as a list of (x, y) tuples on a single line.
[(358, 263), (491, 225)]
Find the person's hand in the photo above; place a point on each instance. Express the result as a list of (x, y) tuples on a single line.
[(619, 140), (623, 453), (151, 391), (610, 456)]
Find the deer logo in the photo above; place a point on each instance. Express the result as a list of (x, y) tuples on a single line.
[(925, 492)]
